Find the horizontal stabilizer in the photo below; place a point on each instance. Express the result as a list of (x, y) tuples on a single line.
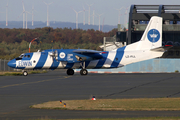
[(161, 49)]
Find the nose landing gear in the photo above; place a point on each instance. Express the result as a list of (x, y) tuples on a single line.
[(25, 73)]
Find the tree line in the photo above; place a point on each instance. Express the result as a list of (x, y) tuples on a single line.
[(13, 42)]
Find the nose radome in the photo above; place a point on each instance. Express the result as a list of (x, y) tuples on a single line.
[(12, 63)]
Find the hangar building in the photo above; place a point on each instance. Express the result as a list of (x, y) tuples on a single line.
[(139, 16)]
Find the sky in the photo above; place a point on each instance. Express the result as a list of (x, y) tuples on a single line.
[(62, 10)]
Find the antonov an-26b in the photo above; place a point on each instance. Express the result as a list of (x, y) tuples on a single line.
[(150, 46)]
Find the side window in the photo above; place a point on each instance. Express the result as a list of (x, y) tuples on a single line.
[(27, 56)]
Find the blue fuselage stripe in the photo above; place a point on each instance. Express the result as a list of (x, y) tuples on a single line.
[(55, 64), (102, 60), (41, 61), (69, 65), (86, 64), (118, 57)]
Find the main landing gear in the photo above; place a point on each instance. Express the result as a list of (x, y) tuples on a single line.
[(83, 71), (70, 72)]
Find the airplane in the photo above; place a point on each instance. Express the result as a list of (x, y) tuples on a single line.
[(149, 46)]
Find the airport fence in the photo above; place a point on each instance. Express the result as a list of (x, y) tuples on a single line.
[(4, 66)]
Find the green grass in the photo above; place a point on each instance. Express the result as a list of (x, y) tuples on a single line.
[(10, 73), (138, 118), (142, 104), (37, 71), (7, 73)]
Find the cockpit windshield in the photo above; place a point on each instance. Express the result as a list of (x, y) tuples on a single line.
[(20, 57)]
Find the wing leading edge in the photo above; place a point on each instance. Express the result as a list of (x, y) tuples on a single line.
[(85, 51)]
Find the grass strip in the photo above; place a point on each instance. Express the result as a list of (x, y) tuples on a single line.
[(139, 118), (138, 104), (7, 73)]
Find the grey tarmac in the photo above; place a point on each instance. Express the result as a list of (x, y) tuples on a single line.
[(17, 93)]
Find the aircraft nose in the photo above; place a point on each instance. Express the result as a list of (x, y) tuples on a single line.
[(12, 63)]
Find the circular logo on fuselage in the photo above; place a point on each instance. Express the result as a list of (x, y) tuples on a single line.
[(153, 35), (62, 55)]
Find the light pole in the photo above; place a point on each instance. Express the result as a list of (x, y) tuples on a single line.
[(30, 44)]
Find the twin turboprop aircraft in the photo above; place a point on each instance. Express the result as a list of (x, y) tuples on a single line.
[(150, 46)]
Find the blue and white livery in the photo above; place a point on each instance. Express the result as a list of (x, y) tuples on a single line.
[(150, 46)]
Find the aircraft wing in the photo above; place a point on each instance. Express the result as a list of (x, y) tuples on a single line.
[(161, 49), (85, 51), (87, 55)]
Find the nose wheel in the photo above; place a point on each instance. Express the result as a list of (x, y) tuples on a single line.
[(25, 73)]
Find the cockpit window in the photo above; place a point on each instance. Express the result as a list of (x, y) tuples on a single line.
[(21, 56), (27, 56)]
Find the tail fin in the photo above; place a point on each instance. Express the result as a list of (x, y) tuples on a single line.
[(152, 36)]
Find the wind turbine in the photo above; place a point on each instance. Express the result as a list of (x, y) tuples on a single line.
[(24, 12), (89, 19), (99, 19), (77, 17), (93, 15), (26, 17), (7, 14), (84, 10), (32, 15), (47, 12), (103, 24), (125, 18), (119, 14)]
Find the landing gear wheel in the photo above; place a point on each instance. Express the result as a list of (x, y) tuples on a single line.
[(25, 73), (70, 72), (83, 72)]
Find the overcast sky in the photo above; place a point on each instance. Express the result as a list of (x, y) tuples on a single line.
[(61, 10)]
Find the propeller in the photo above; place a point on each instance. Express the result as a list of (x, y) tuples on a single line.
[(54, 55)]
